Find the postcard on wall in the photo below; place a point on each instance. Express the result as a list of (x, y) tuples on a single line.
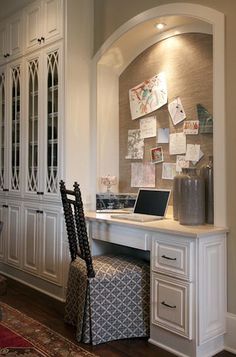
[(148, 96), (176, 111), (201, 154), (156, 155), (192, 152), (163, 135), (142, 175), (148, 127), (181, 163), (205, 120), (168, 171), (191, 127), (177, 144), (135, 145)]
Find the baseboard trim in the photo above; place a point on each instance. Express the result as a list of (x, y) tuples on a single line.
[(164, 347), (230, 341)]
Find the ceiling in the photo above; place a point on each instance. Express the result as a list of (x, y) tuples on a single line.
[(10, 6)]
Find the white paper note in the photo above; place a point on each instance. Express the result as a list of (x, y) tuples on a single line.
[(192, 152), (201, 154), (142, 175), (148, 127), (177, 144), (135, 144), (176, 111), (168, 171), (163, 135), (191, 127), (181, 163)]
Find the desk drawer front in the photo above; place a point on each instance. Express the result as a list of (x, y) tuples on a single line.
[(171, 305), (122, 235), (172, 257)]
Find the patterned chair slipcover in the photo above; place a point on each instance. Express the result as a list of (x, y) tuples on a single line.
[(114, 304)]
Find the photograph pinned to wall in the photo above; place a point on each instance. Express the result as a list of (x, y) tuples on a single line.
[(201, 154), (163, 135), (168, 171), (177, 143), (135, 145), (156, 155), (191, 127), (205, 120), (142, 175), (148, 127), (176, 111), (192, 152), (148, 96), (181, 163)]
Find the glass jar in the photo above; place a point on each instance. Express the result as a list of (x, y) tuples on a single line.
[(192, 201), (206, 172), (177, 193)]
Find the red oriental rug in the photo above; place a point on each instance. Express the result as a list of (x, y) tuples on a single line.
[(22, 336)]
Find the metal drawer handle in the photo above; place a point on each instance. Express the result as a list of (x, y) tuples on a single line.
[(169, 258), (167, 305)]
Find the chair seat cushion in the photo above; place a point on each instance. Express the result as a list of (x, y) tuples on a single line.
[(116, 300)]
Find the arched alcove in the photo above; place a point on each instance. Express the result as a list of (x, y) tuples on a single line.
[(118, 51)]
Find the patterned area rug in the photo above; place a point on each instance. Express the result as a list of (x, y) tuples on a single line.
[(22, 336)]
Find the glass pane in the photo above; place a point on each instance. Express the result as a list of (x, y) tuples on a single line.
[(2, 128), (33, 126), (52, 123), (15, 149)]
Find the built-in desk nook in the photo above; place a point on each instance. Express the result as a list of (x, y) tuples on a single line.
[(188, 278)]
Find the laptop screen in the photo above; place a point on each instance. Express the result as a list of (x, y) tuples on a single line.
[(152, 202)]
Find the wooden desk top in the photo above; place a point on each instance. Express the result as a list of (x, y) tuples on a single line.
[(167, 225)]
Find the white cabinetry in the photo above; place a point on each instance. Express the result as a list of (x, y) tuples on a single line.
[(11, 38), (43, 22), (42, 242), (188, 293)]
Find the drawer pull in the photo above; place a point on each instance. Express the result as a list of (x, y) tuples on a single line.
[(169, 258), (167, 305)]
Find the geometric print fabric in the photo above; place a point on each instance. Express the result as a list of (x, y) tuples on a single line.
[(114, 304)]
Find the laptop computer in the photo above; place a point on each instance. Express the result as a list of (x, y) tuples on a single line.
[(150, 205)]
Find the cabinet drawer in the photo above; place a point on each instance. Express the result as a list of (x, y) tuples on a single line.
[(172, 256), (171, 305), (122, 235)]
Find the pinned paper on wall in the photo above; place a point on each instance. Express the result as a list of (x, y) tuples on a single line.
[(163, 135), (181, 163), (205, 120), (191, 127), (135, 145), (177, 144), (156, 155), (201, 154), (168, 171), (148, 96), (176, 111), (192, 152), (148, 127), (142, 175)]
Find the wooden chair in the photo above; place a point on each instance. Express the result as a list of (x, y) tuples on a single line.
[(107, 296)]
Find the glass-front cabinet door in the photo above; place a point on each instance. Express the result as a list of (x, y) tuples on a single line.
[(15, 128), (52, 122), (3, 131), (32, 180), (43, 86)]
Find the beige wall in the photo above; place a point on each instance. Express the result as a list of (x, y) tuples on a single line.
[(111, 14)]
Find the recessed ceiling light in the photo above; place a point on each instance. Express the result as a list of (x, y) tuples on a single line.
[(160, 25)]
